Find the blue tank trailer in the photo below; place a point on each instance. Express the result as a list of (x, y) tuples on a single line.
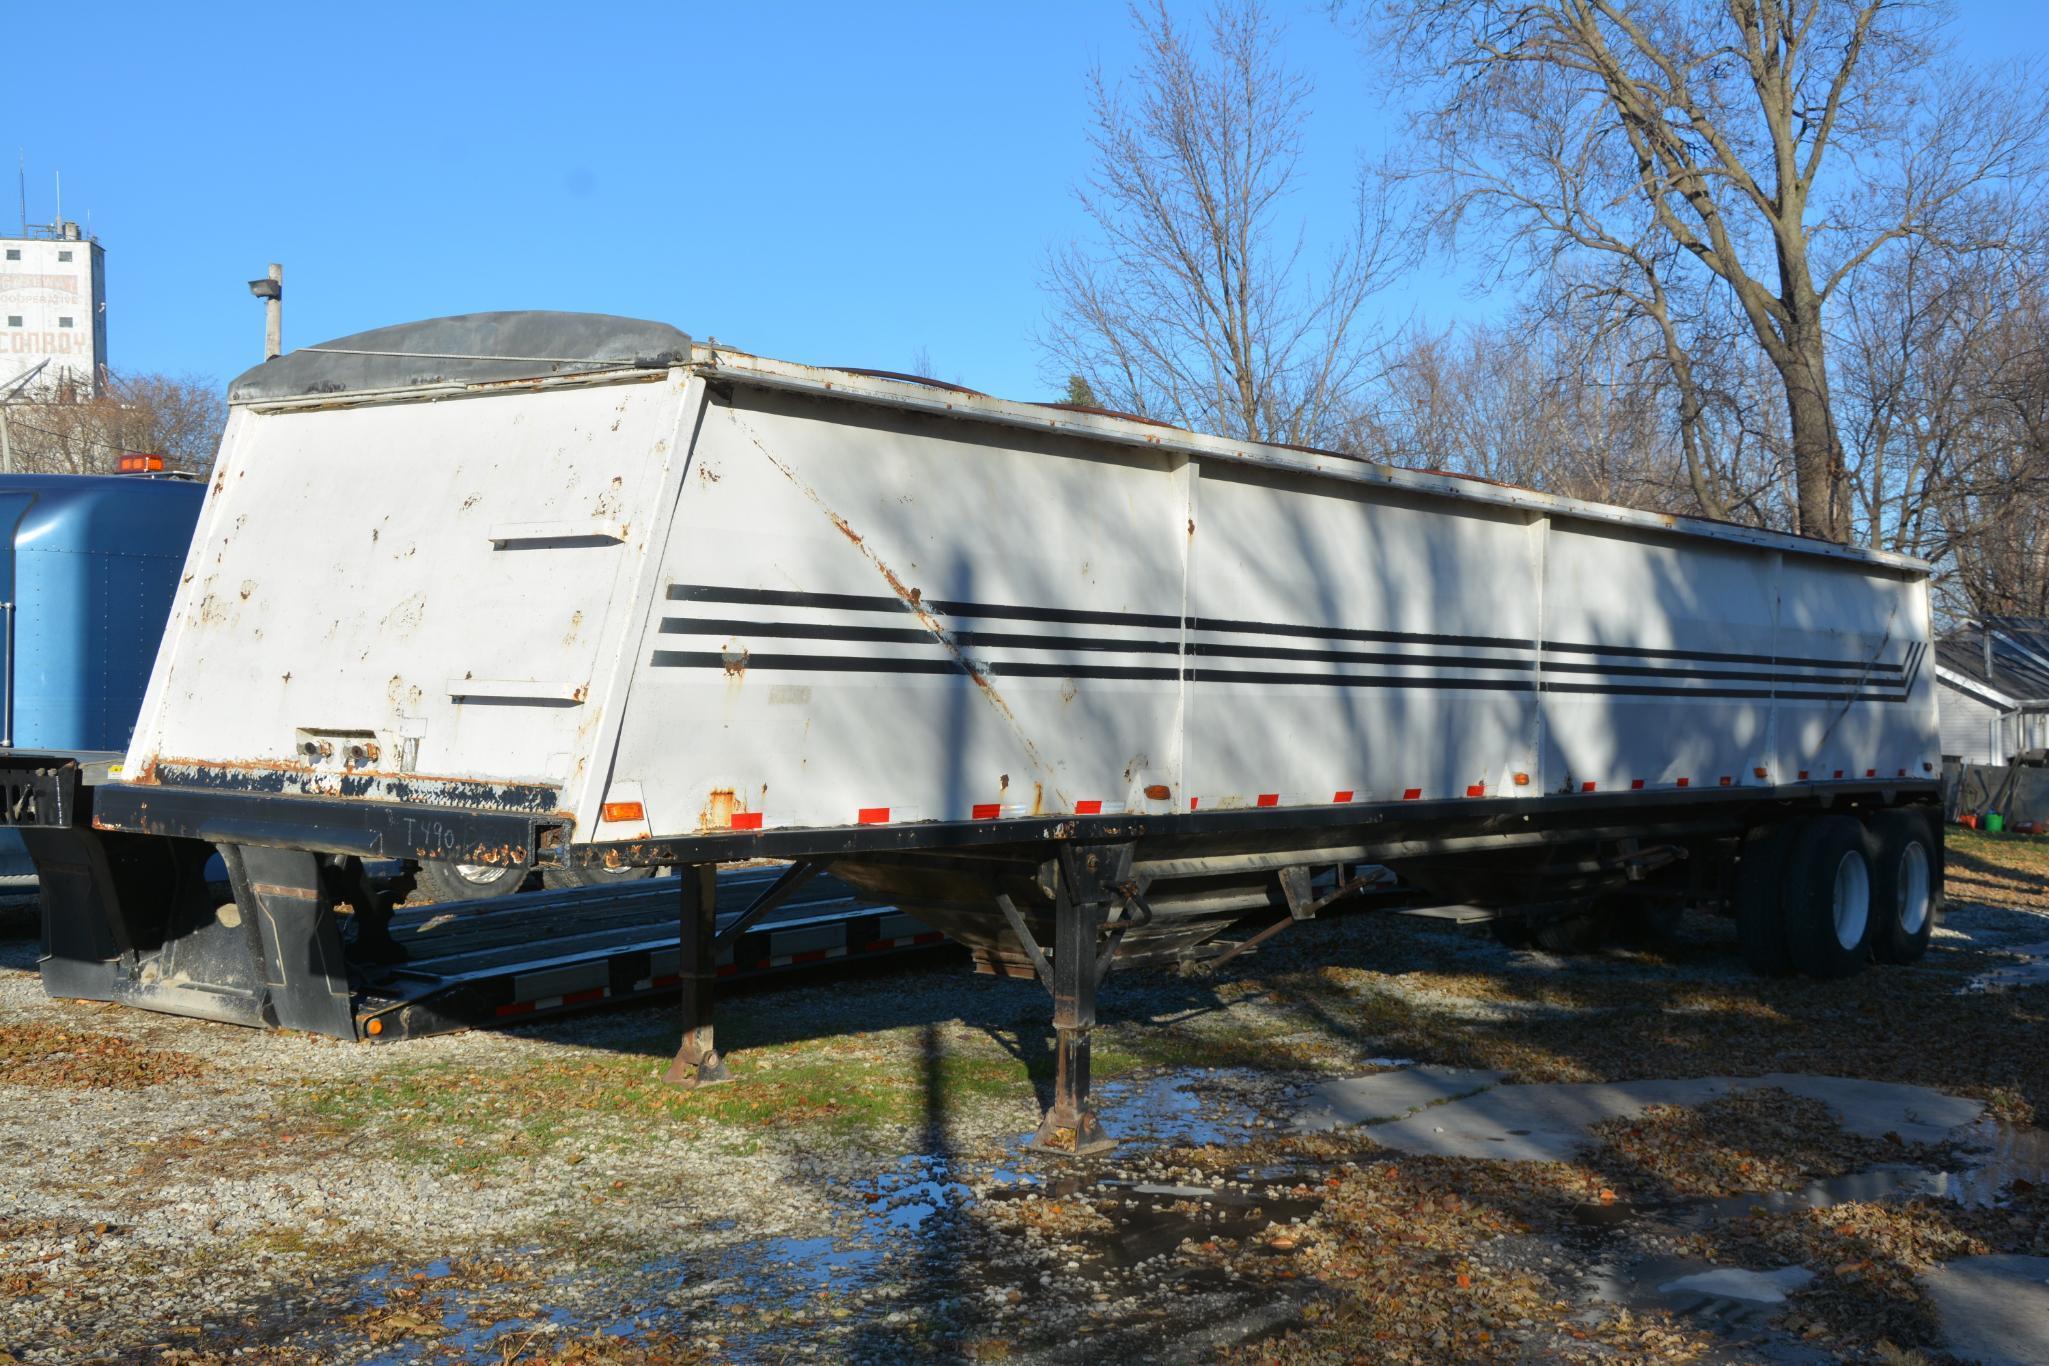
[(86, 585)]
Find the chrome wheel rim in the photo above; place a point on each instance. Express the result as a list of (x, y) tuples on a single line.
[(1852, 900), (483, 874), (1915, 882)]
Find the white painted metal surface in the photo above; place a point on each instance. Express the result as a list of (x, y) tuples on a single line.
[(835, 599), (53, 290)]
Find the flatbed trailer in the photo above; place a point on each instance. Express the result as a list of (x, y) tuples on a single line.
[(467, 964), (1075, 688)]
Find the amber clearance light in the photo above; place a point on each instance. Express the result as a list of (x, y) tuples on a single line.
[(623, 811)]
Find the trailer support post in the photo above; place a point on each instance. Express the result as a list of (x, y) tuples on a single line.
[(698, 1062), (286, 926), (1084, 882)]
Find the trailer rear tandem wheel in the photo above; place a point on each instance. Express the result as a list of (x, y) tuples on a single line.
[(1820, 878)]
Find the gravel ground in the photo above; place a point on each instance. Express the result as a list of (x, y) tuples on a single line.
[(171, 1189)]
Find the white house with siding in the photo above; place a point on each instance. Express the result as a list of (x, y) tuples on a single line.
[(1992, 689)]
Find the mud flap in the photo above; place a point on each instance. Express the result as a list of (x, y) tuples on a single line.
[(131, 918)]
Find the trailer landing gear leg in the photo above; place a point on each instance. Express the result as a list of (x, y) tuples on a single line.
[(698, 1062), (1084, 882)]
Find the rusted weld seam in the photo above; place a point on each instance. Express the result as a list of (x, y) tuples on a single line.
[(910, 597)]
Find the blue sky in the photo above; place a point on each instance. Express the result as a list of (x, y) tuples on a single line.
[(826, 182)]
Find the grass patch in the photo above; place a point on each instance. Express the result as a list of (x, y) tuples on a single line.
[(468, 1119), (860, 1086), (2003, 869)]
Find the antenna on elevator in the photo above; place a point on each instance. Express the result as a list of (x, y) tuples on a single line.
[(21, 175)]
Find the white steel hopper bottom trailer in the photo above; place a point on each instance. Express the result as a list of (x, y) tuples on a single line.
[(1079, 689)]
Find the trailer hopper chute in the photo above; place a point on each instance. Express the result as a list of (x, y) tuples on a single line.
[(1079, 689)]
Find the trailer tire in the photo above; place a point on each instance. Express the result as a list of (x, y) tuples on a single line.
[(1906, 885), (1828, 898), (1646, 922), (1511, 930), (445, 881), (1585, 929), (1759, 899), (558, 878)]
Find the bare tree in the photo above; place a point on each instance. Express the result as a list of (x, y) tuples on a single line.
[(1557, 400), (1197, 305), (178, 417), (1778, 145), (1945, 404)]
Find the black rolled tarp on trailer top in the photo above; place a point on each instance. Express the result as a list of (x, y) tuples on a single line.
[(468, 348)]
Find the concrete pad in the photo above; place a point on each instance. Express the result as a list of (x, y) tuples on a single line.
[(1532, 1123), (1994, 1309), (1733, 1283), (1387, 1095), (1458, 1112), (1872, 1109)]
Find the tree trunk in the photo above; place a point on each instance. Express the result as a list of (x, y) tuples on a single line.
[(1818, 473)]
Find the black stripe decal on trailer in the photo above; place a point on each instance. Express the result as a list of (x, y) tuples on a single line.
[(986, 611), (1552, 666), (1369, 637), (904, 635), (1782, 694), (706, 659), (1721, 657), (854, 602), (1855, 675)]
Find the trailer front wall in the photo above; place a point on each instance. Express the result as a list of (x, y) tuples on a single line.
[(871, 615), (412, 600)]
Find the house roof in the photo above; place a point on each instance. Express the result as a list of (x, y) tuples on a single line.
[(2020, 656)]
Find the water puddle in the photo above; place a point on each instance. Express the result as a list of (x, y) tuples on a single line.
[(1734, 1283), (1145, 1246), (1735, 1304), (443, 1316), (2031, 970), (920, 1187), (1213, 1107), (754, 1296), (1739, 1303), (1150, 1220)]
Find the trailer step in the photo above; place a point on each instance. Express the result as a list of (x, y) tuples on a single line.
[(1456, 915)]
